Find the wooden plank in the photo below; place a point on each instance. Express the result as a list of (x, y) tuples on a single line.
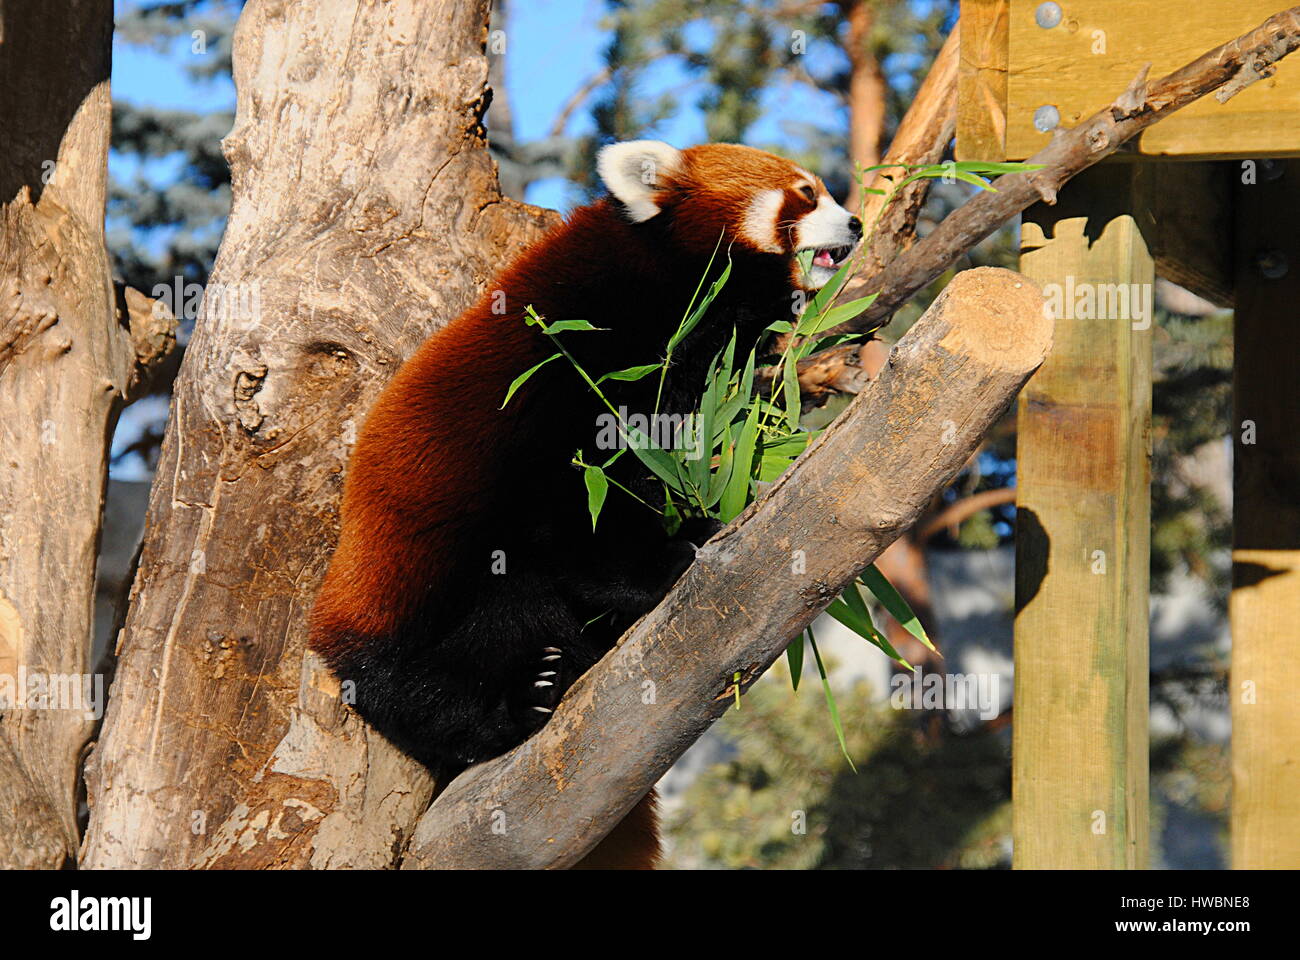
[(1080, 742), (1185, 212), (1265, 605), (982, 80), (1098, 47)]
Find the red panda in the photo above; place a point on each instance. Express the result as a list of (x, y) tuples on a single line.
[(468, 588)]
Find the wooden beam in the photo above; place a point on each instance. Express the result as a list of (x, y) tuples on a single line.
[(982, 80), (1265, 604), (1082, 538), (1185, 213), (1097, 46)]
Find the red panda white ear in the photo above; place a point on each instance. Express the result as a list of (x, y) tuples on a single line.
[(636, 171)]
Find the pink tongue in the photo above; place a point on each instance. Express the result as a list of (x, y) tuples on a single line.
[(823, 259)]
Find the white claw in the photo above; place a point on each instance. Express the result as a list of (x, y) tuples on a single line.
[(551, 650), (548, 673), (554, 656), (543, 683), (543, 710)]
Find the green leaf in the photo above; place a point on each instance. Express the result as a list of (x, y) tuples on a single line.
[(736, 493), (597, 488), (770, 468), (838, 314), (560, 326), (830, 700), (827, 294), (996, 168), (790, 387), (660, 463), (893, 601), (631, 373), (747, 378), (794, 658), (523, 378), (859, 621), (726, 461), (728, 359), (790, 445), (694, 316), (698, 468)]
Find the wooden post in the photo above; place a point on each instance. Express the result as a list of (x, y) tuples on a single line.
[(1082, 538), (982, 80), (1265, 605)]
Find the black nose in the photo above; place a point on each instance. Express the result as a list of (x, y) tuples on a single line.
[(855, 226)]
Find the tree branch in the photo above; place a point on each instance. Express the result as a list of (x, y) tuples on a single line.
[(963, 509), (1070, 152), (862, 483), (922, 138), (898, 277)]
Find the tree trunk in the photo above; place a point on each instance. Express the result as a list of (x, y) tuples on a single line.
[(365, 213), (68, 361), (866, 86)]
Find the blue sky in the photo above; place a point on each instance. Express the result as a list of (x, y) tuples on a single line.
[(554, 46)]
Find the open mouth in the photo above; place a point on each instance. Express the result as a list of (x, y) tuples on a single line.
[(831, 257)]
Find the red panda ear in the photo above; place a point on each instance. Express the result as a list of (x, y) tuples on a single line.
[(636, 171)]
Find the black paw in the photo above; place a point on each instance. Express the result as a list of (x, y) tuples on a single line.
[(544, 687)]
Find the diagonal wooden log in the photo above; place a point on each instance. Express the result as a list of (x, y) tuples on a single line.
[(751, 589), (1226, 69)]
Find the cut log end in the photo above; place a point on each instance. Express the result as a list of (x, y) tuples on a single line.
[(1003, 321)]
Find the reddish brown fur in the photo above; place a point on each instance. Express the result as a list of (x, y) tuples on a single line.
[(632, 845)]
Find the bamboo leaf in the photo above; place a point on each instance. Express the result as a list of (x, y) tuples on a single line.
[(736, 493), (659, 462), (520, 380), (830, 700), (560, 326), (893, 601), (631, 373), (861, 624), (597, 488), (839, 314), (694, 317), (726, 461), (790, 388), (794, 658)]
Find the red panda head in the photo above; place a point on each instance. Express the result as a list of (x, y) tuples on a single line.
[(753, 199)]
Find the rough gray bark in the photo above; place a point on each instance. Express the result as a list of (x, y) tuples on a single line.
[(365, 213), (71, 354), (751, 589)]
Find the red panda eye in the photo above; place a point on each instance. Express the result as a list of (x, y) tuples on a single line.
[(808, 193)]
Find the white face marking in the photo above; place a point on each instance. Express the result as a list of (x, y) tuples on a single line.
[(825, 227), (759, 225)]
